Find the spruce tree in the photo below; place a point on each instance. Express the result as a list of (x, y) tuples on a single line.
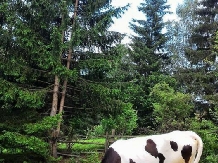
[(28, 53), (148, 42), (199, 76), (97, 57), (178, 33), (147, 53)]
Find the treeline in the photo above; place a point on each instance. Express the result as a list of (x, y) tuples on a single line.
[(62, 73)]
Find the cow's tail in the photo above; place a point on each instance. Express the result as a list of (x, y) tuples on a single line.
[(199, 146)]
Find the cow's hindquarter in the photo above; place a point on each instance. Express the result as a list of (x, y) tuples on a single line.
[(192, 143), (169, 149), (177, 147)]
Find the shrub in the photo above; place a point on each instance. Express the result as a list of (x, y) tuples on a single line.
[(124, 122)]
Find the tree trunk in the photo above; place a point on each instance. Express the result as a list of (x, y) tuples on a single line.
[(53, 135), (55, 132), (55, 96), (64, 90), (53, 143)]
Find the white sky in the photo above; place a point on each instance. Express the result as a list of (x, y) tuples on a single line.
[(122, 25)]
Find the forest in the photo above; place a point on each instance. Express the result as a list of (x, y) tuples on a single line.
[(64, 73)]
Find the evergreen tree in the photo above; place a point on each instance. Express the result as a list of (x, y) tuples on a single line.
[(200, 53), (27, 64), (97, 52), (148, 43), (199, 76), (147, 54), (178, 33)]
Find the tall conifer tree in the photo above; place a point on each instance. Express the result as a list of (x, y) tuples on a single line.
[(199, 76), (147, 51)]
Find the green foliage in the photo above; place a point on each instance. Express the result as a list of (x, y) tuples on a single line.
[(26, 66), (123, 123), (97, 130), (15, 143), (156, 78), (21, 97), (146, 59), (199, 77), (47, 123), (208, 132), (149, 39), (98, 52), (130, 92), (216, 42), (171, 108)]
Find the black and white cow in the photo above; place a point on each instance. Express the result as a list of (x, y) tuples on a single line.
[(173, 147)]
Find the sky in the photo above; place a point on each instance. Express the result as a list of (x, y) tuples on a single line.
[(122, 24)]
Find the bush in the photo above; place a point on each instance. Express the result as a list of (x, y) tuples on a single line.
[(124, 122), (171, 108)]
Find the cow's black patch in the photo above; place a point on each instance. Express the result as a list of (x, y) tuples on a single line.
[(131, 161), (161, 158), (151, 148), (186, 152), (174, 145), (111, 156)]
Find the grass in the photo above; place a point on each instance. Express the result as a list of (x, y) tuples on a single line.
[(79, 147), (92, 157)]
